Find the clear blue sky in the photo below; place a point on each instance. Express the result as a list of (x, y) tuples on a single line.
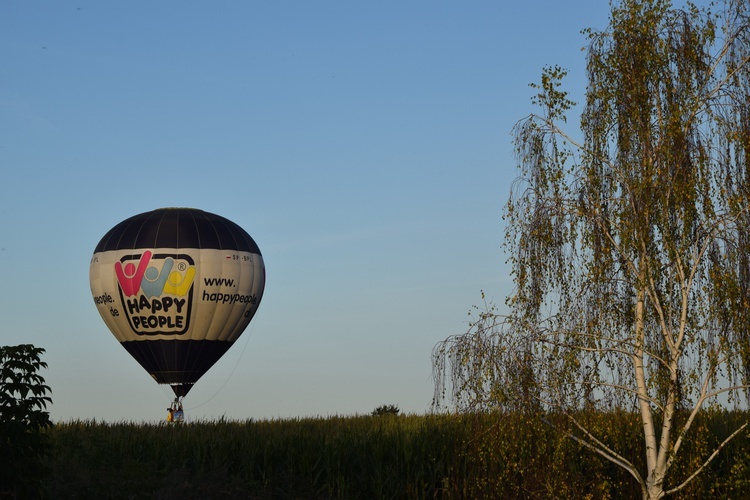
[(364, 145)]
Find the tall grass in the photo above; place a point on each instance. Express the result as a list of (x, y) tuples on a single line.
[(374, 457)]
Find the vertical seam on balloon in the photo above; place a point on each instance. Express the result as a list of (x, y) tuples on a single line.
[(163, 360), (230, 337), (139, 345), (238, 264), (176, 347), (189, 364)]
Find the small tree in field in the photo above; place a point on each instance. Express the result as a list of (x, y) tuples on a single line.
[(631, 246), (385, 410), (23, 399)]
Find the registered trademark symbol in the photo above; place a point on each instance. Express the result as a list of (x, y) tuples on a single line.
[(181, 266)]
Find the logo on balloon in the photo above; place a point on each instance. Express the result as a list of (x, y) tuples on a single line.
[(157, 292)]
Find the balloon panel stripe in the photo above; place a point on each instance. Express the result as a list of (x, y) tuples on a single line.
[(167, 368)]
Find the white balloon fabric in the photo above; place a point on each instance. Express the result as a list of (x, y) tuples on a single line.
[(177, 287)]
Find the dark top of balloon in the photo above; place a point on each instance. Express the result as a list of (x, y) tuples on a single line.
[(177, 228)]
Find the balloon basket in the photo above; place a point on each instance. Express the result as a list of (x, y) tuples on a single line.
[(175, 413)]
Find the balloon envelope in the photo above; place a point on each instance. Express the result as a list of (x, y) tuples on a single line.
[(177, 287)]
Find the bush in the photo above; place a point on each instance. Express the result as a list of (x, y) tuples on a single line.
[(23, 400), (385, 410)]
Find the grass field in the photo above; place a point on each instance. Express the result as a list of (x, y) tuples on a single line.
[(374, 457)]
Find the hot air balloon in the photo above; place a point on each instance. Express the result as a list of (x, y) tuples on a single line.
[(177, 287)]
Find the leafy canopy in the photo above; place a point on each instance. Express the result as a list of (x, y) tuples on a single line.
[(23, 403)]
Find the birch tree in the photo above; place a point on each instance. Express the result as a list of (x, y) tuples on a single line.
[(629, 241)]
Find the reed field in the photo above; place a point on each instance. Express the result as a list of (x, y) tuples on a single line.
[(376, 457)]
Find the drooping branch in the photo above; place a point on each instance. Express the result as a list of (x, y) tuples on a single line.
[(713, 455)]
